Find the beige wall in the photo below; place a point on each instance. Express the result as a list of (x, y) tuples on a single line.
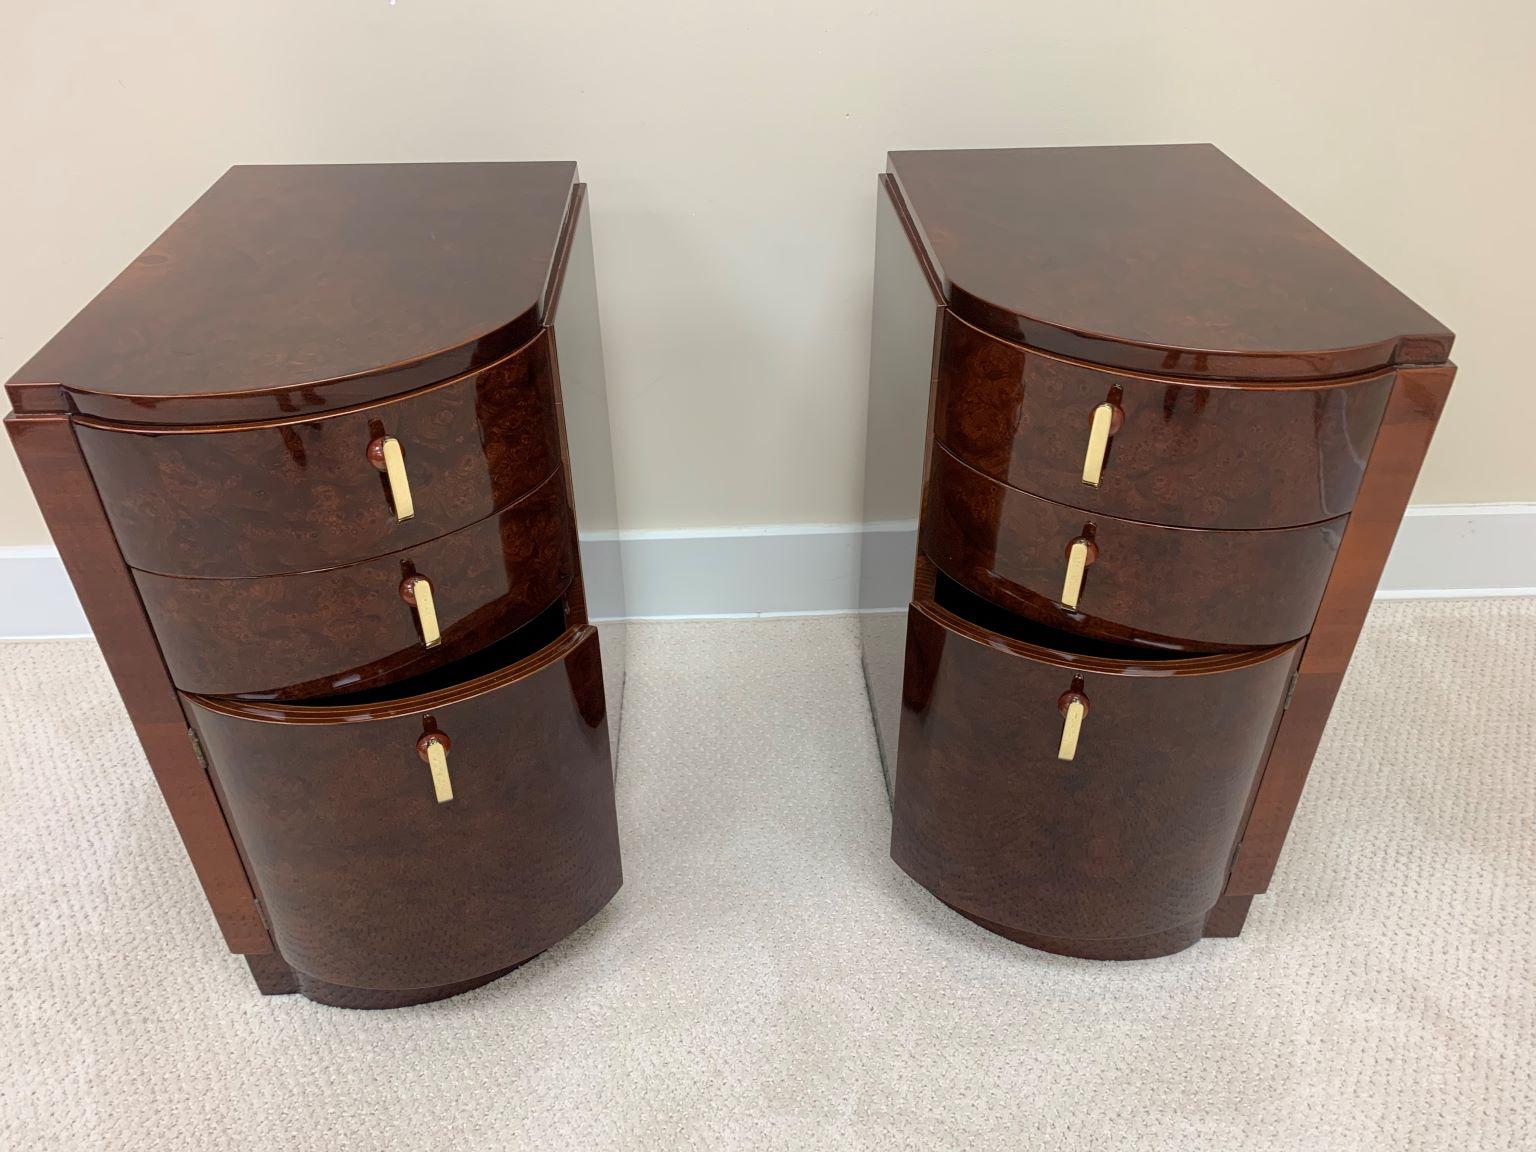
[(731, 149)]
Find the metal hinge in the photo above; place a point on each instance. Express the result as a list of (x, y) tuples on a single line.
[(261, 914), (197, 748), (1291, 689)]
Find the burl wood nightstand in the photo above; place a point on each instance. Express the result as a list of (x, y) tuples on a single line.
[(316, 464), (1156, 432)]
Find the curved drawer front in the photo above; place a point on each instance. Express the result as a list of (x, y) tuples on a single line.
[(1183, 588), (1194, 455), (1130, 837), (346, 629), (370, 881), (289, 496)]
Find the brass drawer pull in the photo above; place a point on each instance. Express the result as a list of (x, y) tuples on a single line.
[(417, 592), (1107, 419), (386, 455), (1074, 706), (433, 748), (1080, 553)]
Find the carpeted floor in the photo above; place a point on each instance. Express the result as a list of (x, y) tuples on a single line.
[(767, 978)]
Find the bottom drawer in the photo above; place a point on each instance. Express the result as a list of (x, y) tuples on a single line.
[(1116, 848), (371, 877)]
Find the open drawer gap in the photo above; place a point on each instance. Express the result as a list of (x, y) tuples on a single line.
[(543, 630), (955, 598)]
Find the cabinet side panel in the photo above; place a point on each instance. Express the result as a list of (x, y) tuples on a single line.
[(1418, 395), (51, 458), (583, 390), (901, 365)]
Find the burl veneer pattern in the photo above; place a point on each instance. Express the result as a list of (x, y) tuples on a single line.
[(295, 288), (1164, 258), (1129, 839), (326, 796), (1418, 397), (1188, 454), (349, 628), (202, 441), (1178, 588), (288, 496), (1272, 403), (62, 484)]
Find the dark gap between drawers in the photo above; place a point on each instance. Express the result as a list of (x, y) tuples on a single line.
[(955, 598), (543, 630)]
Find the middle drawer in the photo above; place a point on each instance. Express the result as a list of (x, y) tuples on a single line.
[(344, 629), (1180, 588)]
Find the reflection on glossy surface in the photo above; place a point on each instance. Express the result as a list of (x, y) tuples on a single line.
[(289, 289), (1172, 431), (1175, 587), (368, 881), (1191, 455), (50, 454), (584, 402), (328, 433), (348, 628), (906, 315), (1160, 258), (1128, 839), (259, 499)]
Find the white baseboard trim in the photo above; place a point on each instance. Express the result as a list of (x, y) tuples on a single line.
[(733, 573), (37, 601), (1462, 551), (1443, 551)]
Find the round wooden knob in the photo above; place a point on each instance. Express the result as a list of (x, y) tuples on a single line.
[(1090, 549), (385, 454), (427, 739), (408, 588)]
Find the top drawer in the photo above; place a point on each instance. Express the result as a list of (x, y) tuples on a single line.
[(293, 495), (1194, 455)]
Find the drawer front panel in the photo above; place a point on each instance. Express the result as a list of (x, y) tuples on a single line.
[(1192, 455), (368, 880), (1129, 838), (350, 628), (1182, 588), (290, 496)]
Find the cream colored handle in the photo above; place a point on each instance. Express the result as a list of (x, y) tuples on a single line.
[(1077, 563), (436, 748), (1071, 727), (1098, 443), (417, 592), (399, 482)]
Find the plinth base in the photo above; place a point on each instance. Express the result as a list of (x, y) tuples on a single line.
[(275, 978), (1164, 943)]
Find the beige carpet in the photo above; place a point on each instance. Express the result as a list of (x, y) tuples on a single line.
[(768, 979)]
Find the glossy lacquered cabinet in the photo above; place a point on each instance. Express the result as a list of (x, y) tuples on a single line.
[(330, 467), (1139, 438)]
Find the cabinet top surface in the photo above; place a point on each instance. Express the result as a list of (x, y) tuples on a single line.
[(1161, 258), (286, 277)]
